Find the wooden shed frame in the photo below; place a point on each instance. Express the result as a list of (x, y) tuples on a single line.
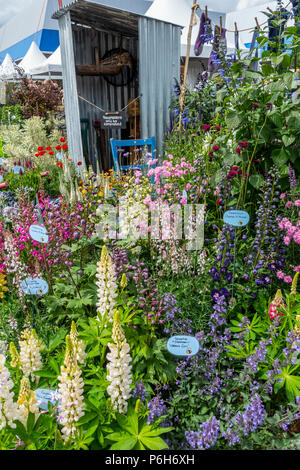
[(159, 46)]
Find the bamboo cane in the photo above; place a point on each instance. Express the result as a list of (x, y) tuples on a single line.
[(188, 49)]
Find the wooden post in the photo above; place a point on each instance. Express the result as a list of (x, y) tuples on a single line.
[(186, 66), (257, 24)]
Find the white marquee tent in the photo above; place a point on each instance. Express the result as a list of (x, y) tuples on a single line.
[(8, 69), (32, 59), (49, 66)]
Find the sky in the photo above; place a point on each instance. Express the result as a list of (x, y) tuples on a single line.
[(10, 8)]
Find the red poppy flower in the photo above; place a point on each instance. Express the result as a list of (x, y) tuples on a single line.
[(79, 163), (51, 153), (58, 147), (37, 155), (65, 147), (49, 148), (40, 148), (63, 140)]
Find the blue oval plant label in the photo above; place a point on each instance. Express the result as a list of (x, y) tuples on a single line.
[(44, 396), (184, 193), (236, 218), (59, 156), (35, 286), (17, 169), (1, 178), (1, 161), (183, 345), (38, 233)]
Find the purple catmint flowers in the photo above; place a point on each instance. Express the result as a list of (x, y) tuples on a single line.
[(206, 436)]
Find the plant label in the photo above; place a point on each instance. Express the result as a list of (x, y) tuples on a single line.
[(38, 233), (17, 169), (236, 218), (1, 178), (1, 161), (35, 286), (184, 193), (44, 396), (59, 156), (183, 345)]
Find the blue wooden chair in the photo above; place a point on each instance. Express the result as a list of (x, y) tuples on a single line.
[(115, 144)]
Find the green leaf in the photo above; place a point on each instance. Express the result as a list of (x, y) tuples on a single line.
[(45, 373), (256, 181), (125, 444), (30, 422), (156, 443), (288, 140), (57, 339), (233, 119), (280, 157)]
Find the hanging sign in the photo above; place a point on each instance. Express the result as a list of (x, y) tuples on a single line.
[(45, 396), (113, 120), (17, 169), (183, 345), (38, 233), (236, 218), (34, 286)]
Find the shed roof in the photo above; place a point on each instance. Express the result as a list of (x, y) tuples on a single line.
[(101, 15)]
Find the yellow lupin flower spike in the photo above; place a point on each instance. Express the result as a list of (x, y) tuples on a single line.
[(294, 284), (297, 327), (25, 393), (70, 360), (15, 356), (124, 282)]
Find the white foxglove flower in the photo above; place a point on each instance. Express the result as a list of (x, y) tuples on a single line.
[(71, 393), (119, 368), (26, 402), (107, 287), (8, 409), (30, 354)]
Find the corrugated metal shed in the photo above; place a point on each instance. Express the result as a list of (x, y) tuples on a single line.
[(155, 44)]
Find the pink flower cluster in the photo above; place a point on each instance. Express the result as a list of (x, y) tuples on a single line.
[(169, 170), (292, 231)]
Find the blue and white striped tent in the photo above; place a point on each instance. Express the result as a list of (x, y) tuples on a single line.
[(33, 23)]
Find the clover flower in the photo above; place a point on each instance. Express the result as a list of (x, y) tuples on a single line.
[(107, 287), (27, 402), (119, 370), (71, 392), (8, 409), (30, 353)]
